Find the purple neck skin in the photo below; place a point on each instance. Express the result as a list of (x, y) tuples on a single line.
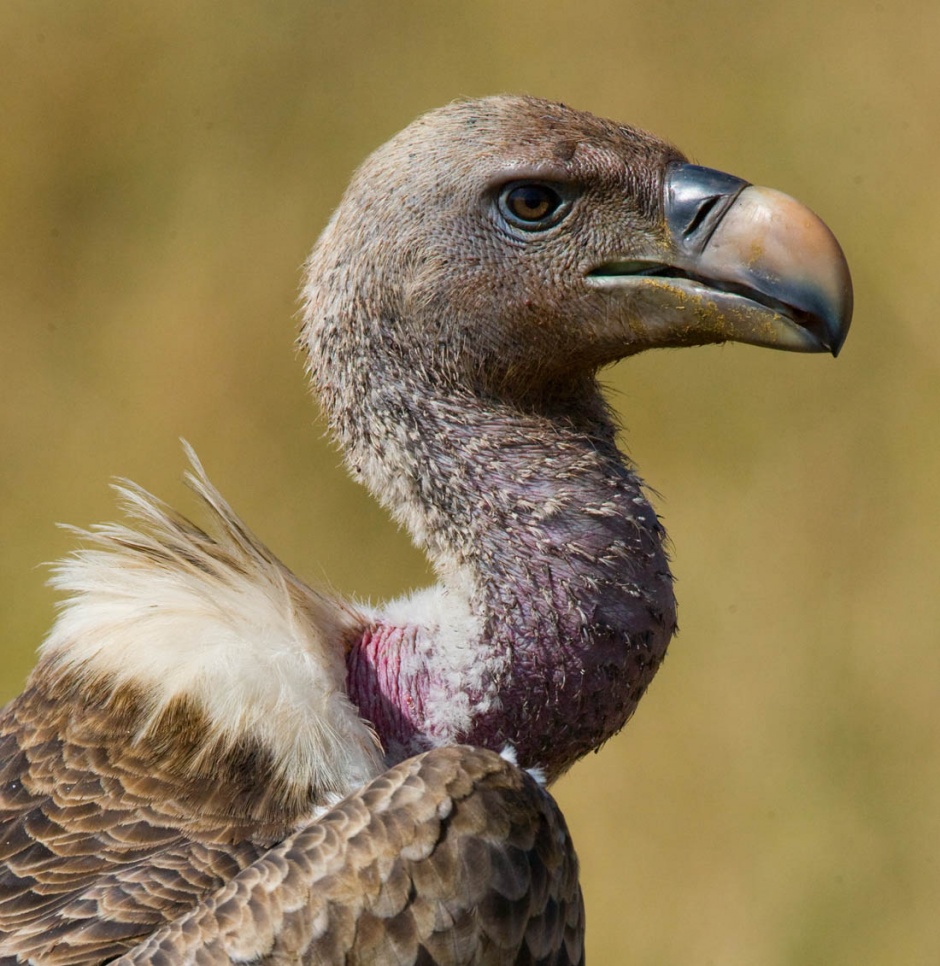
[(574, 595)]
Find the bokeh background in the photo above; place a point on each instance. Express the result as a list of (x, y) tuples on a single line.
[(164, 167)]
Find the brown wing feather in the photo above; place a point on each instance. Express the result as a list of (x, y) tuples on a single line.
[(101, 840), (453, 857)]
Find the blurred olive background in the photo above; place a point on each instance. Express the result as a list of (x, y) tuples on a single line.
[(164, 169)]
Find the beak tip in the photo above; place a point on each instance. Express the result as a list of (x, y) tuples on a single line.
[(841, 319), (833, 331)]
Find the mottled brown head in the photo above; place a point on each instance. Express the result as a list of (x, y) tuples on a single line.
[(510, 245)]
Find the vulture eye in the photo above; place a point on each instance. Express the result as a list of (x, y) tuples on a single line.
[(532, 205)]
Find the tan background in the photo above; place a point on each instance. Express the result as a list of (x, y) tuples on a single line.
[(165, 166)]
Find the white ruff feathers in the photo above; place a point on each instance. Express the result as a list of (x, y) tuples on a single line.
[(217, 619)]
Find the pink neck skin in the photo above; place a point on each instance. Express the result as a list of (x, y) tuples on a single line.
[(391, 700)]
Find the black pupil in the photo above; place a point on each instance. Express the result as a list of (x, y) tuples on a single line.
[(532, 202)]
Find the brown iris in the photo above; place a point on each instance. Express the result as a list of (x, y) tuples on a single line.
[(532, 205)]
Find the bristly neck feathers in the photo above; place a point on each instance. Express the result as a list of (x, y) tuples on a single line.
[(555, 602)]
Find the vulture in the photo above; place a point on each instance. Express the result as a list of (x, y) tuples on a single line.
[(213, 762)]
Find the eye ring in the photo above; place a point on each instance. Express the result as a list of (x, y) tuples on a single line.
[(532, 205)]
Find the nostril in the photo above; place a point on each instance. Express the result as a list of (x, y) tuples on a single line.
[(699, 216)]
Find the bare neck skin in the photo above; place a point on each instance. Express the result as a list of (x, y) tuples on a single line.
[(555, 601)]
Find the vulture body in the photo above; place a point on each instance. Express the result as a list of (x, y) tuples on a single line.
[(215, 763)]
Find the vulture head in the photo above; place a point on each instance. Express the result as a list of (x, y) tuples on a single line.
[(168, 777), (509, 247)]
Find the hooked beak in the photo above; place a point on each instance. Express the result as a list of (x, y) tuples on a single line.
[(743, 264)]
